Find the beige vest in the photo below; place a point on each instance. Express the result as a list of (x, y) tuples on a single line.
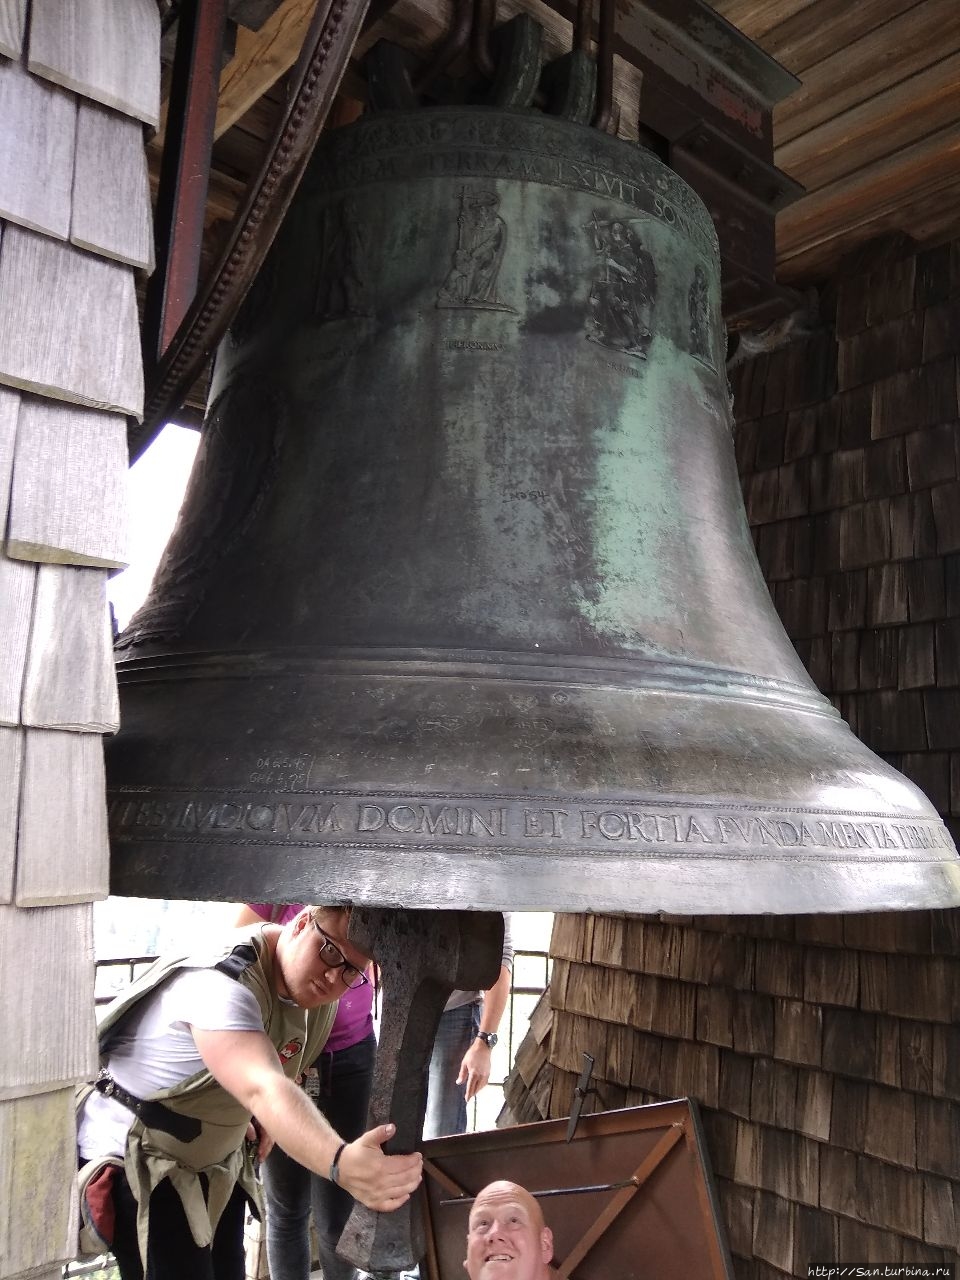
[(219, 1151)]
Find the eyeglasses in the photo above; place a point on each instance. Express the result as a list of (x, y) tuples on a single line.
[(333, 958)]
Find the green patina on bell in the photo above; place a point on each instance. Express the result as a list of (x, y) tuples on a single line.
[(462, 608)]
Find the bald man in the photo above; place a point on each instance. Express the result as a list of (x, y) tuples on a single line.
[(507, 1238)]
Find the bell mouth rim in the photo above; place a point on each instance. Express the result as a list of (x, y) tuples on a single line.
[(636, 673), (528, 881)]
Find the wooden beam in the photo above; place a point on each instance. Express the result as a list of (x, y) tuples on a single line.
[(329, 44), (756, 17), (931, 218), (261, 58), (856, 73), (799, 41), (895, 118), (856, 198)]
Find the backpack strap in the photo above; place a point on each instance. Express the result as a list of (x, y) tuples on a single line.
[(155, 1115)]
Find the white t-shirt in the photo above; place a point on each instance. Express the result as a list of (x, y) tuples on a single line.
[(155, 1049)]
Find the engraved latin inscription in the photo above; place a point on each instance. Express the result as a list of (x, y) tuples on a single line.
[(478, 255), (454, 821), (624, 287)]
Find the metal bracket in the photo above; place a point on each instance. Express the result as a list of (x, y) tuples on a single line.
[(582, 1090)]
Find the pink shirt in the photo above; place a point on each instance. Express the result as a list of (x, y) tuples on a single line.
[(354, 1020)]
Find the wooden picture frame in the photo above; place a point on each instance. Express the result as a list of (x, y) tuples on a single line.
[(631, 1196)]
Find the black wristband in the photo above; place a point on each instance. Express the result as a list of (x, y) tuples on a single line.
[(335, 1164)]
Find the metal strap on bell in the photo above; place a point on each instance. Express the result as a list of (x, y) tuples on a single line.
[(462, 608)]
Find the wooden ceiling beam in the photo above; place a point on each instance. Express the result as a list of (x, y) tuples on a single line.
[(896, 118), (931, 219), (756, 17), (882, 58), (799, 41), (869, 192), (261, 58)]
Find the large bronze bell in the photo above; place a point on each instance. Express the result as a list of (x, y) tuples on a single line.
[(462, 608)]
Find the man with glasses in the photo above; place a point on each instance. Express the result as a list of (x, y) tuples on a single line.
[(200, 1054), (340, 1082)]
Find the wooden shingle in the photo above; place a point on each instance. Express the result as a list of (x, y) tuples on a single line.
[(773, 1230), (830, 976), (652, 947), (945, 1062), (773, 1099), (880, 350), (815, 1239), (926, 589), (891, 1130), (941, 1212), (916, 398), (9, 413), (43, 120), (736, 1205), (946, 518), (940, 329), (865, 534), (13, 21), (62, 853), (888, 1068), (847, 600), (930, 770), (58, 992), (838, 1181), (736, 1083), (779, 968), (941, 707), (111, 191), (931, 456), (800, 439), (814, 1103), (848, 1117), (70, 681), (915, 656), (37, 1138), (68, 499), (608, 943), (17, 588), (789, 1165), (884, 469), (879, 655), (771, 433), (108, 51), (798, 1029), (79, 339), (836, 479), (938, 1136), (868, 1244), (714, 1006), (11, 759), (753, 1024)]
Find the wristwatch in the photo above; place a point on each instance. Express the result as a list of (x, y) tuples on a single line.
[(489, 1038)]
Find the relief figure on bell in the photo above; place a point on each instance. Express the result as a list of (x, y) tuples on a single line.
[(481, 243), (624, 288), (697, 304), (341, 288)]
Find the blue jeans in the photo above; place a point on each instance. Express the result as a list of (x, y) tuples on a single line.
[(446, 1101), (346, 1077)]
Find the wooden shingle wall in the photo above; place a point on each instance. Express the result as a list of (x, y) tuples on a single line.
[(74, 229), (824, 1050)]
